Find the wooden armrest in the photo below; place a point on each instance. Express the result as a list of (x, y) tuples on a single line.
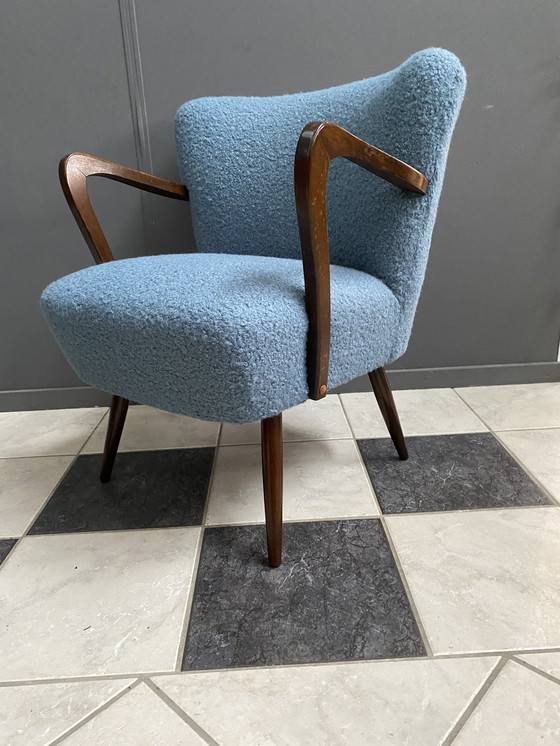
[(318, 145), (74, 170)]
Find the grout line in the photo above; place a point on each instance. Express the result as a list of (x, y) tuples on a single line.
[(367, 517), (475, 701), (184, 629), (501, 508), (91, 715), (367, 478), (325, 519), (345, 415), (312, 519), (531, 667), (72, 457), (496, 434), (363, 661), (125, 450), (395, 555), (253, 443), (407, 589), (526, 429), (78, 679), (534, 477), (103, 421), (73, 453), (355, 662), (503, 429), (412, 434), (181, 713), (196, 564), (8, 557), (16, 540), (51, 493), (123, 530), (348, 420), (39, 455), (400, 569), (289, 441), (39, 511)]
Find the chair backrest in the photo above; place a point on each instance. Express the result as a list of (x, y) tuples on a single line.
[(236, 156)]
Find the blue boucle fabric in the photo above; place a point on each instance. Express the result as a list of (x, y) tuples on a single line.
[(221, 335), (214, 336), (236, 157)]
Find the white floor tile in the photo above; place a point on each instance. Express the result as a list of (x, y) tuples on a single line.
[(322, 479), (149, 429), (548, 662), (517, 406), (139, 718), (539, 451), (114, 602), (521, 708), (37, 715), (92, 604), (409, 703), (25, 484), (313, 420), (421, 412), (484, 580), (49, 432)]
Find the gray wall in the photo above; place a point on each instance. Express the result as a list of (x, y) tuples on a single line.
[(83, 76)]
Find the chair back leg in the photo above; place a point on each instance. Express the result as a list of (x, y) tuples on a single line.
[(384, 396), (117, 416), (272, 467)]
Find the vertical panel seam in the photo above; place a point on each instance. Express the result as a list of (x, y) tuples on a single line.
[(139, 112), (135, 80)]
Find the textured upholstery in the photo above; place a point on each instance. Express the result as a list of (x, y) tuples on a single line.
[(237, 159), (221, 335), (214, 336)]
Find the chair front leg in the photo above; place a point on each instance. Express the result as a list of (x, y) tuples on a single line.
[(384, 396), (117, 416), (272, 468)]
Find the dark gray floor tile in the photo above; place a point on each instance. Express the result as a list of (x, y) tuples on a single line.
[(337, 596), (5, 548), (448, 472), (148, 489)]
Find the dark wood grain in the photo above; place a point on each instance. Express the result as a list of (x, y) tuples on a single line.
[(117, 417), (318, 145), (272, 468), (74, 170), (384, 395)]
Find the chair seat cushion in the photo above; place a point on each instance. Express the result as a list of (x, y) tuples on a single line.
[(215, 336)]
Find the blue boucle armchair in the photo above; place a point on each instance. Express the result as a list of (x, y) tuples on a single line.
[(273, 309)]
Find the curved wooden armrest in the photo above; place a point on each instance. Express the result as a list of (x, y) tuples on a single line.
[(74, 170), (318, 145)]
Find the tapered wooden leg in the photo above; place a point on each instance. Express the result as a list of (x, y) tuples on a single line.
[(271, 448), (384, 396), (117, 416)]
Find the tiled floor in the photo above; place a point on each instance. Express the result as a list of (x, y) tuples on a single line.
[(418, 602)]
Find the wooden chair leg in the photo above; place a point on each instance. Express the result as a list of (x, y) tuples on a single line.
[(117, 416), (384, 396), (271, 448)]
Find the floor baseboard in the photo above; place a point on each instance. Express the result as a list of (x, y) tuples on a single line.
[(418, 378), (467, 375), (63, 398)]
